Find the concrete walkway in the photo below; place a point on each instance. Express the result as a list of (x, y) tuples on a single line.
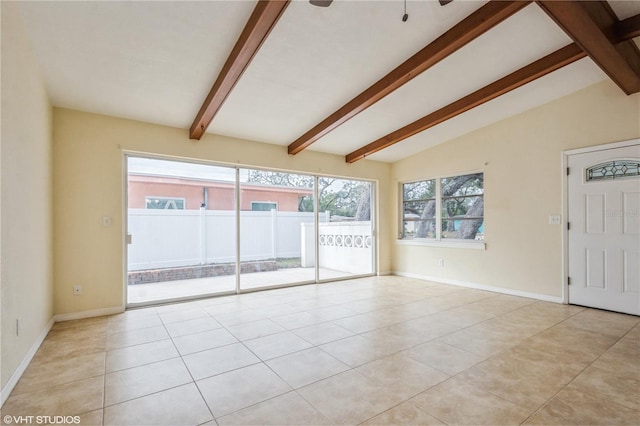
[(168, 290)]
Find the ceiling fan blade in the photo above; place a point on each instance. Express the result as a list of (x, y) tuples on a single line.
[(444, 2), (321, 3)]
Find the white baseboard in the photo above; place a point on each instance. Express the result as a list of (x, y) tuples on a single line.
[(383, 273), (13, 380), (502, 290), (89, 314)]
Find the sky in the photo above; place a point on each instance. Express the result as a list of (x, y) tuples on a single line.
[(181, 169), (171, 168)]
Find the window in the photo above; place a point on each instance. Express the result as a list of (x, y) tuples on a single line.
[(263, 206), (450, 208), (613, 170), (419, 209), (166, 203)]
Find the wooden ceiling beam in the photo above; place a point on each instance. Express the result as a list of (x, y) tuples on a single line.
[(537, 69), (586, 24), (262, 20), (626, 29), (476, 24), (607, 20), (618, 33)]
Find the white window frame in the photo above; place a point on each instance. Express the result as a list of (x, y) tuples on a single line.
[(263, 202), (438, 241), (150, 197)]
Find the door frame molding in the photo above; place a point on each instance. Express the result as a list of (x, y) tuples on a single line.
[(565, 202)]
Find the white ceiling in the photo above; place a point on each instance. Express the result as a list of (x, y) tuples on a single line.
[(156, 61)]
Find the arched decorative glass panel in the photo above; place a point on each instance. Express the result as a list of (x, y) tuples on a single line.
[(613, 170)]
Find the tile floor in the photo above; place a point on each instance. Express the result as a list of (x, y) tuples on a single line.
[(374, 351)]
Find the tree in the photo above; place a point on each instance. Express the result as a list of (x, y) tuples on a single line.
[(466, 188), (305, 204), (280, 179), (424, 226), (340, 197), (363, 212), (469, 227)]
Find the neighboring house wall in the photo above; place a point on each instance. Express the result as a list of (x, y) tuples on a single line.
[(140, 187), (286, 201), (521, 160), (221, 195), (26, 201)]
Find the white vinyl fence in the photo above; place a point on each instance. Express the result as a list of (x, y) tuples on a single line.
[(343, 246), (173, 238)]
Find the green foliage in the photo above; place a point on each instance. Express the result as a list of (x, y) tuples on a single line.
[(422, 190), (459, 193), (283, 179), (338, 196)]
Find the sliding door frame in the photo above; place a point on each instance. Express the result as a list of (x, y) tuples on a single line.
[(126, 154)]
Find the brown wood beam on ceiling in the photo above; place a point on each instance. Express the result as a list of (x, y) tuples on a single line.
[(626, 29), (584, 24), (607, 20), (476, 24), (537, 69), (262, 20)]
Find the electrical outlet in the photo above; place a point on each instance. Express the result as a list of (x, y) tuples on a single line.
[(77, 290), (441, 263), (555, 219)]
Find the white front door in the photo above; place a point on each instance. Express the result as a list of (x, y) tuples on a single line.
[(604, 229)]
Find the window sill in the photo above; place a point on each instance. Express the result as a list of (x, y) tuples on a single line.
[(474, 245)]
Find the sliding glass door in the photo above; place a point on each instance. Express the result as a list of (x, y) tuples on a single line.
[(181, 220), (345, 237), (277, 229), (196, 229)]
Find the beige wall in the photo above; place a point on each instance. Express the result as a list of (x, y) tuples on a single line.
[(26, 226), (521, 159), (58, 232), (88, 177)]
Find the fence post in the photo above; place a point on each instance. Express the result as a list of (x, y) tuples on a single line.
[(203, 235), (274, 232), (308, 245)]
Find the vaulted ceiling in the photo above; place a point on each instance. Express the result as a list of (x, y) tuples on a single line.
[(323, 79)]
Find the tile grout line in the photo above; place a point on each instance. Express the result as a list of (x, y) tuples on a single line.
[(490, 357), (564, 387), (104, 376), (193, 380)]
